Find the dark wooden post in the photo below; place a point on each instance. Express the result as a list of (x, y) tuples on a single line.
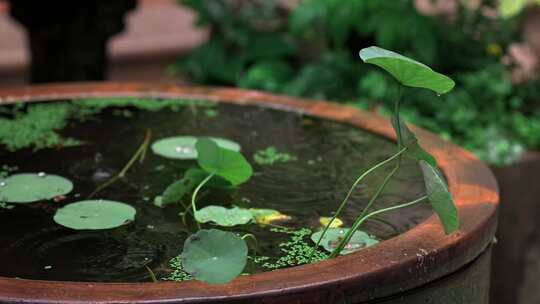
[(68, 39)]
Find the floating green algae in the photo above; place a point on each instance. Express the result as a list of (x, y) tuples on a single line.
[(39, 126), (295, 251), (178, 274), (148, 104), (271, 155)]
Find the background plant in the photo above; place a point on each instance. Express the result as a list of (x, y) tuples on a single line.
[(304, 51)]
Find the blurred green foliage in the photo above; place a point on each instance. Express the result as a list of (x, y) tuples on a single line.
[(311, 51)]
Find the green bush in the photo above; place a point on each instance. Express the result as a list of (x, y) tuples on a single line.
[(311, 51)]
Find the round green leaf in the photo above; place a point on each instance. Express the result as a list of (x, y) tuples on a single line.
[(334, 236), (183, 147), (440, 198), (94, 215), (214, 256), (230, 165), (407, 71), (223, 216), (31, 187)]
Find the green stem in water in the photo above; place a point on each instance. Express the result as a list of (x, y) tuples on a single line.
[(194, 196), (253, 238), (152, 275), (139, 154), (354, 185), (381, 188), (398, 164), (361, 220)]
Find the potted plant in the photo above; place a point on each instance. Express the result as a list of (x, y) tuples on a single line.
[(426, 256)]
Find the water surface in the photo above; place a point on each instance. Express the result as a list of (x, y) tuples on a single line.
[(330, 156)]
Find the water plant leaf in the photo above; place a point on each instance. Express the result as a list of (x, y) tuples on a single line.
[(407, 71), (197, 175), (183, 147), (333, 237), (267, 216), (271, 155), (223, 216), (336, 223), (230, 165), (32, 187), (409, 140), (178, 189), (440, 198), (214, 256), (95, 215)]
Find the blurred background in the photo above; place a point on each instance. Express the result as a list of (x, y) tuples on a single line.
[(309, 48)]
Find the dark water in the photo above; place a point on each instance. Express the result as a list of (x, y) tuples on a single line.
[(330, 156)]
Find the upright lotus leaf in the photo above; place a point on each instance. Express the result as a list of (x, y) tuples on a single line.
[(197, 175), (407, 71), (223, 216), (180, 188), (32, 187), (334, 236), (214, 256), (267, 216), (409, 140), (226, 163), (95, 215), (440, 198), (183, 147), (176, 191)]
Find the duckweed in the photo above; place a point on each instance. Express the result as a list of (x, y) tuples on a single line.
[(178, 273), (39, 126), (296, 251), (271, 155)]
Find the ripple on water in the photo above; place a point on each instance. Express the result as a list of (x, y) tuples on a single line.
[(329, 158)]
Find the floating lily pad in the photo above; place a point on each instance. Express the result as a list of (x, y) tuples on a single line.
[(334, 236), (407, 71), (95, 215), (267, 216), (183, 147), (336, 223), (223, 216), (440, 198), (214, 256), (230, 165), (32, 187)]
